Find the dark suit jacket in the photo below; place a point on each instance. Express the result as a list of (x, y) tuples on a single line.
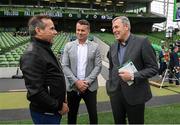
[(141, 53), (174, 60)]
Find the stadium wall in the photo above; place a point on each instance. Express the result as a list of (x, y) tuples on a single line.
[(104, 48), (8, 72)]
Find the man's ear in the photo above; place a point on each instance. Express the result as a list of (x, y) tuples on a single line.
[(37, 29), (126, 27)]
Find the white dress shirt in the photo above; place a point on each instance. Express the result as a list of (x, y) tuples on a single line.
[(82, 60)]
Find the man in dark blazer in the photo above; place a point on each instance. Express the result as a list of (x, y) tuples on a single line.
[(129, 100)]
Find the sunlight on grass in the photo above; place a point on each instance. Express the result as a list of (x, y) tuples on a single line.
[(169, 89), (102, 95), (13, 100), (16, 100)]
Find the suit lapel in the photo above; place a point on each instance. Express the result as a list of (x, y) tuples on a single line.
[(75, 50), (115, 54), (88, 52)]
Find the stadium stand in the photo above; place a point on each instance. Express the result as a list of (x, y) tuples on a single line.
[(65, 12), (14, 15)]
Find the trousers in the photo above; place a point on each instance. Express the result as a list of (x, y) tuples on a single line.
[(45, 118), (90, 99), (121, 109)]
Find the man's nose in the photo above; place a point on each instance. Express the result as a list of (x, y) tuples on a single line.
[(80, 32), (114, 30), (55, 32)]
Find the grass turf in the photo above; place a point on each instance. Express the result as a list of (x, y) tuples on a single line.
[(168, 114), (16, 100)]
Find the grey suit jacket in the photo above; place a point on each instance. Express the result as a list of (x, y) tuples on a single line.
[(141, 53), (69, 64)]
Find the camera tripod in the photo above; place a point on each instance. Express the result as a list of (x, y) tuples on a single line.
[(166, 73)]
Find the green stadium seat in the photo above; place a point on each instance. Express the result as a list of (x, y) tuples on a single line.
[(3, 59), (1, 56), (10, 59), (8, 53), (4, 64), (13, 64), (14, 53), (20, 53), (9, 56), (17, 57)]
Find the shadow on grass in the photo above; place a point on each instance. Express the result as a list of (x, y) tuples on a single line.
[(170, 89), (168, 114)]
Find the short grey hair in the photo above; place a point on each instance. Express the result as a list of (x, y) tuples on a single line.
[(124, 20), (36, 21)]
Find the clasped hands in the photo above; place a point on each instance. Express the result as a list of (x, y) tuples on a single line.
[(81, 85)]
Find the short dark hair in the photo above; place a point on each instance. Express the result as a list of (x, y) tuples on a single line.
[(36, 21), (84, 22)]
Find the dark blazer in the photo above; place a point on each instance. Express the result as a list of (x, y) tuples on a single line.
[(44, 78), (141, 53), (174, 60)]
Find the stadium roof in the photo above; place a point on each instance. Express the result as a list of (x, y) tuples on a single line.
[(83, 1), (98, 1)]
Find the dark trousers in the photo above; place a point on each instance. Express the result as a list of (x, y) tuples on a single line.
[(42, 118), (162, 68), (173, 75), (90, 99), (121, 109)]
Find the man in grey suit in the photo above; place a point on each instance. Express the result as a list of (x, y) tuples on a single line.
[(129, 100), (81, 64)]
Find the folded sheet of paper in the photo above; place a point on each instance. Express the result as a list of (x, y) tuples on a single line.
[(129, 67)]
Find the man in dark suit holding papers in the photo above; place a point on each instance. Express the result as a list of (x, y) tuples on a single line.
[(129, 99)]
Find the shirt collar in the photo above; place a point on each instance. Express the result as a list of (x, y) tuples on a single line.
[(86, 42), (123, 44)]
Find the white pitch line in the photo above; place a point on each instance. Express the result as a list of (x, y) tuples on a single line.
[(17, 90)]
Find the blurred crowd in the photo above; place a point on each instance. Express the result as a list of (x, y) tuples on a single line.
[(169, 58)]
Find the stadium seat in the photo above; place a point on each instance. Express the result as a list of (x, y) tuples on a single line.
[(13, 64), (4, 64), (3, 59)]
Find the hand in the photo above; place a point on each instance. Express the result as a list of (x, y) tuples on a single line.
[(64, 110), (81, 85), (125, 75), (86, 82)]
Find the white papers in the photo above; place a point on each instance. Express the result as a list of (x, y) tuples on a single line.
[(129, 67)]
